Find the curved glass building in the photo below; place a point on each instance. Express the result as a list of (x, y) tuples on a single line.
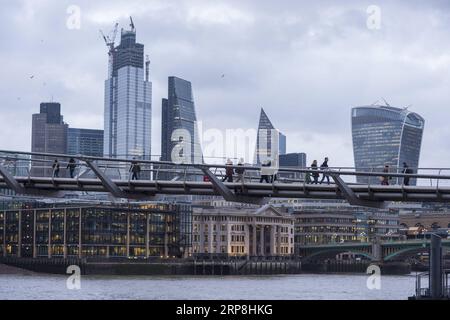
[(385, 135)]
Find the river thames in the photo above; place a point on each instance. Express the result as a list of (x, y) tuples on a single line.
[(283, 287)]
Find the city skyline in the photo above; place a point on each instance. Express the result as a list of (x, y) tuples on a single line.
[(311, 127), (224, 150)]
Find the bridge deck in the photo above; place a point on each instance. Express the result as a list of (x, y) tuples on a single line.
[(148, 188)]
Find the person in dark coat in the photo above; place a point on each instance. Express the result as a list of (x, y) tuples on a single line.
[(55, 168), (228, 172), (265, 177), (71, 166), (324, 166), (315, 175), (406, 170), (240, 171), (385, 179), (135, 169)]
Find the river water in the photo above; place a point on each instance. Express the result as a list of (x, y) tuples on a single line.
[(283, 287)]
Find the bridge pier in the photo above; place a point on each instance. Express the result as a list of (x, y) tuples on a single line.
[(435, 267), (376, 251)]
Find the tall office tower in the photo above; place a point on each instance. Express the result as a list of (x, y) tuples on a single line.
[(128, 94), (86, 142), (292, 161), (49, 135), (179, 137), (383, 135), (270, 142)]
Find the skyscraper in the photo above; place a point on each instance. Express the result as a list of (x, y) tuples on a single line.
[(179, 136), (49, 135), (270, 142), (292, 161), (383, 135), (128, 95), (87, 142)]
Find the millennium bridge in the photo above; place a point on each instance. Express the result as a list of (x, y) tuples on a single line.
[(28, 173)]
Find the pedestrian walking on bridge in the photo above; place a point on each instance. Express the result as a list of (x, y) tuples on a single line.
[(71, 166), (135, 169), (324, 167), (55, 168)]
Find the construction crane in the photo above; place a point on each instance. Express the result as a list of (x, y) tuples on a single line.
[(132, 24), (387, 104), (110, 42)]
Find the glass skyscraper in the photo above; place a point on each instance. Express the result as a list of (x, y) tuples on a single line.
[(87, 142), (384, 135), (270, 142), (179, 135), (128, 95)]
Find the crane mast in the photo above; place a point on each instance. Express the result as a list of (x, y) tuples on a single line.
[(110, 43)]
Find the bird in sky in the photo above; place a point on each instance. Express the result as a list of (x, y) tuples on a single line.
[(32, 77)]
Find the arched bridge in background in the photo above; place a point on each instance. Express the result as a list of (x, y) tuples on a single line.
[(29, 173), (384, 251)]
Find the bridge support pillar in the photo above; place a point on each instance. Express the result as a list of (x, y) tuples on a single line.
[(352, 198), (109, 185), (226, 193), (11, 181), (376, 250)]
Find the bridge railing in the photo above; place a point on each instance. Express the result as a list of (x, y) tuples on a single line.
[(27, 164)]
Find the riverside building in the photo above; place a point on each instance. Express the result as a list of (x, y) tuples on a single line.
[(139, 231), (239, 232)]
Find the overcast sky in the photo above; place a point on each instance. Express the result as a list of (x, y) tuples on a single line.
[(305, 62)]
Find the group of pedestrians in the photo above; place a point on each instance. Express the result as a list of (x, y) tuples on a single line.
[(135, 169), (230, 171), (386, 179), (313, 177), (268, 172), (71, 166)]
